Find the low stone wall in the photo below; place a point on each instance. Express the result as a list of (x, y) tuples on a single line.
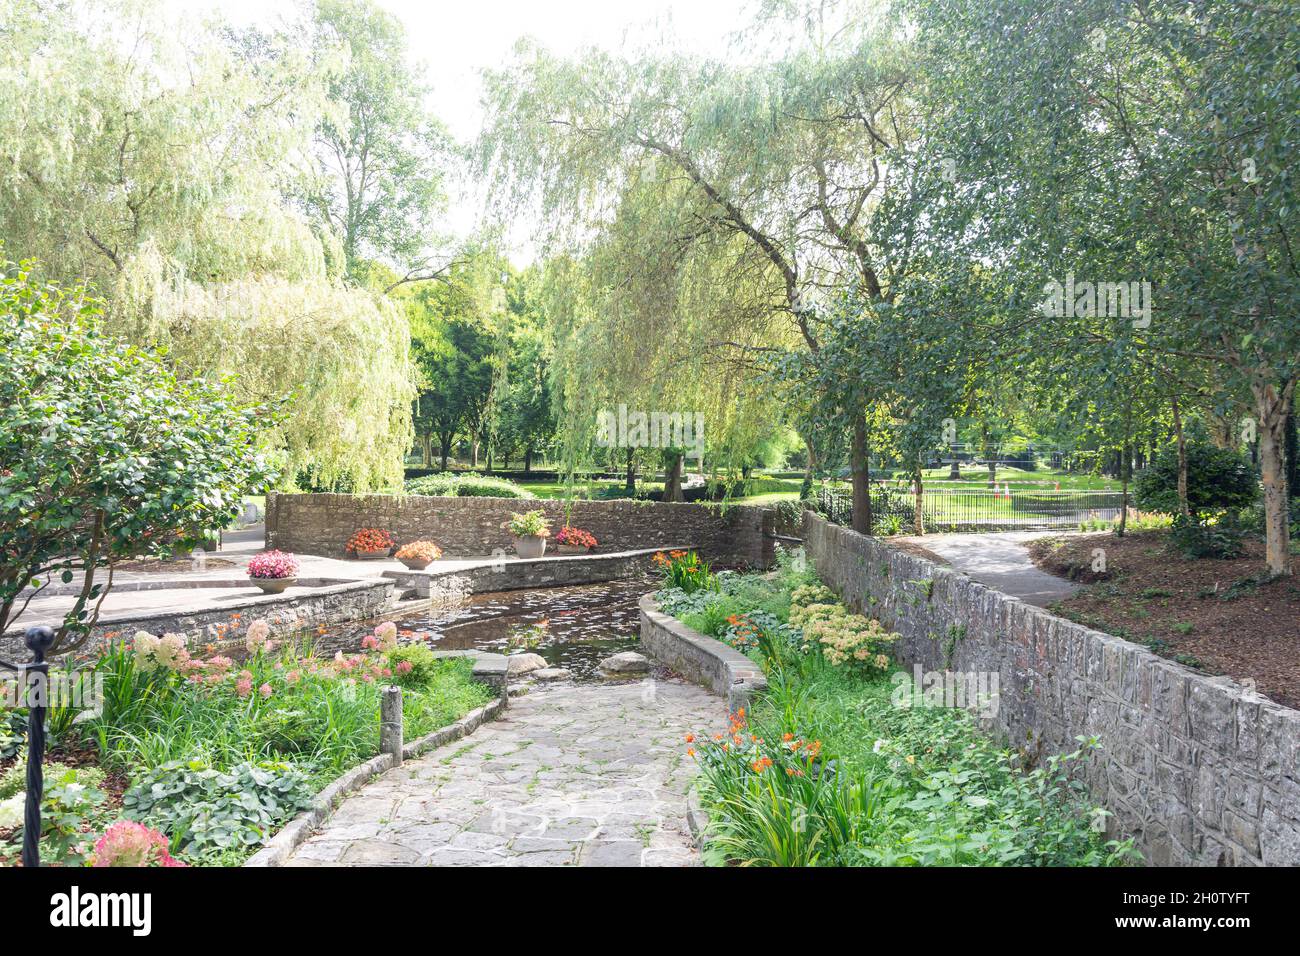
[(465, 527), (299, 608), (515, 574), (1199, 770), (699, 658)]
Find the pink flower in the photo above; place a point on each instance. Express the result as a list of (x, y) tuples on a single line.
[(405, 667), (370, 642), (243, 687), (127, 843), (272, 564), (265, 691), (257, 634), (292, 677), (387, 635)]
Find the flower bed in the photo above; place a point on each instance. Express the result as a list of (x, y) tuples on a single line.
[(840, 762), (216, 754)]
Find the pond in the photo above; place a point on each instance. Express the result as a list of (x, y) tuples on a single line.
[(572, 627)]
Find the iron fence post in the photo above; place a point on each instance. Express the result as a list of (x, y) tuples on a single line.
[(38, 640)]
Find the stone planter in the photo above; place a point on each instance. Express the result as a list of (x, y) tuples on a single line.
[(571, 549), (416, 564), (274, 585), (530, 547), (379, 555)]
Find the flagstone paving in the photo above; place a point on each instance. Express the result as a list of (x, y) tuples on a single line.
[(579, 775)]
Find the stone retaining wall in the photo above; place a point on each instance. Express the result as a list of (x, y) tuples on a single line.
[(463, 527), (698, 657), (299, 608), (1199, 770)]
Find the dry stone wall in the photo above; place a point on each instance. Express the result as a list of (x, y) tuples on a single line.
[(1199, 770)]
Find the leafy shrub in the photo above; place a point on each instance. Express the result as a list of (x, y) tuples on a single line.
[(13, 733), (72, 809), (210, 813), (448, 485), (414, 665), (685, 570), (1217, 479), (845, 638), (1196, 537), (14, 780), (530, 524)]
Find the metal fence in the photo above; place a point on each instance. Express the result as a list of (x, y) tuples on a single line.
[(975, 509)]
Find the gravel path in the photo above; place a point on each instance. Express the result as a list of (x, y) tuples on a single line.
[(578, 775)]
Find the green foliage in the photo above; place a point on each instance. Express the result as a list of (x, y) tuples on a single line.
[(73, 810), (449, 485), (209, 813), (530, 524), (686, 571), (14, 780), (1197, 537), (832, 768), (1217, 479), (104, 452)]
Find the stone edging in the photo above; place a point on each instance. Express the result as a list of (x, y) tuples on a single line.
[(294, 833), (699, 658)]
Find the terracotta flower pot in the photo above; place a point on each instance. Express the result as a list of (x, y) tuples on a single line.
[(571, 549), (274, 585), (532, 546), (371, 555), (416, 564)]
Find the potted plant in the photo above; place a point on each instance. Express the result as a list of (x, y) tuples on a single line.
[(418, 555), (574, 540), (531, 530), (273, 571), (370, 543)]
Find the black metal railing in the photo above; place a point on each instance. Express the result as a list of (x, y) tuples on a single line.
[(34, 684)]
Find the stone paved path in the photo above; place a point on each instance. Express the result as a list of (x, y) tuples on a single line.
[(1000, 560), (592, 775)]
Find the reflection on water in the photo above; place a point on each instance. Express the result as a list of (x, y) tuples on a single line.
[(573, 627)]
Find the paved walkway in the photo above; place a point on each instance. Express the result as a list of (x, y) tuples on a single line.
[(585, 775), (1001, 561)]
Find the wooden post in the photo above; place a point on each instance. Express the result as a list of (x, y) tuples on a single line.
[(390, 723)]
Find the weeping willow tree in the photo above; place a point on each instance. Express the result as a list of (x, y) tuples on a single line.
[(717, 200), (642, 320), (155, 160)]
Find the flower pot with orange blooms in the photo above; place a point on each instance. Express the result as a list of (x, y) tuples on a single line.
[(370, 543), (570, 540), (418, 555)]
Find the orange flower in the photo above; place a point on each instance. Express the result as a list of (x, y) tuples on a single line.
[(787, 736), (690, 752), (690, 738)]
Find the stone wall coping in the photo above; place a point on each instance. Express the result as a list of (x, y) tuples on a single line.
[(698, 657), (294, 833), (261, 602)]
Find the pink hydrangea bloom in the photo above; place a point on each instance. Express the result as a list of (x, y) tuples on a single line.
[(127, 843), (387, 635), (405, 667), (257, 635), (243, 687), (265, 691)]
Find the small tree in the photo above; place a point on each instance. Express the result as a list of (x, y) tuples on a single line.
[(103, 453), (1217, 479)]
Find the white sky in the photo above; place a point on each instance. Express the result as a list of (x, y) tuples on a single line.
[(453, 41)]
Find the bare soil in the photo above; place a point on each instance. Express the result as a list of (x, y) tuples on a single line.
[(1221, 617)]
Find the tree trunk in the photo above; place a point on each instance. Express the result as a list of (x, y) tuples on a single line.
[(426, 450), (473, 459), (1182, 457), (918, 515), (1272, 406), (444, 449), (528, 460), (860, 466), (1292, 456), (673, 479), (954, 469), (629, 476), (805, 489)]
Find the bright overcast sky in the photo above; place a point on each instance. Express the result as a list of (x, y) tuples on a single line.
[(454, 40)]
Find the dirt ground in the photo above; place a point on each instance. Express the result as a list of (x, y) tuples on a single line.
[(1221, 617)]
